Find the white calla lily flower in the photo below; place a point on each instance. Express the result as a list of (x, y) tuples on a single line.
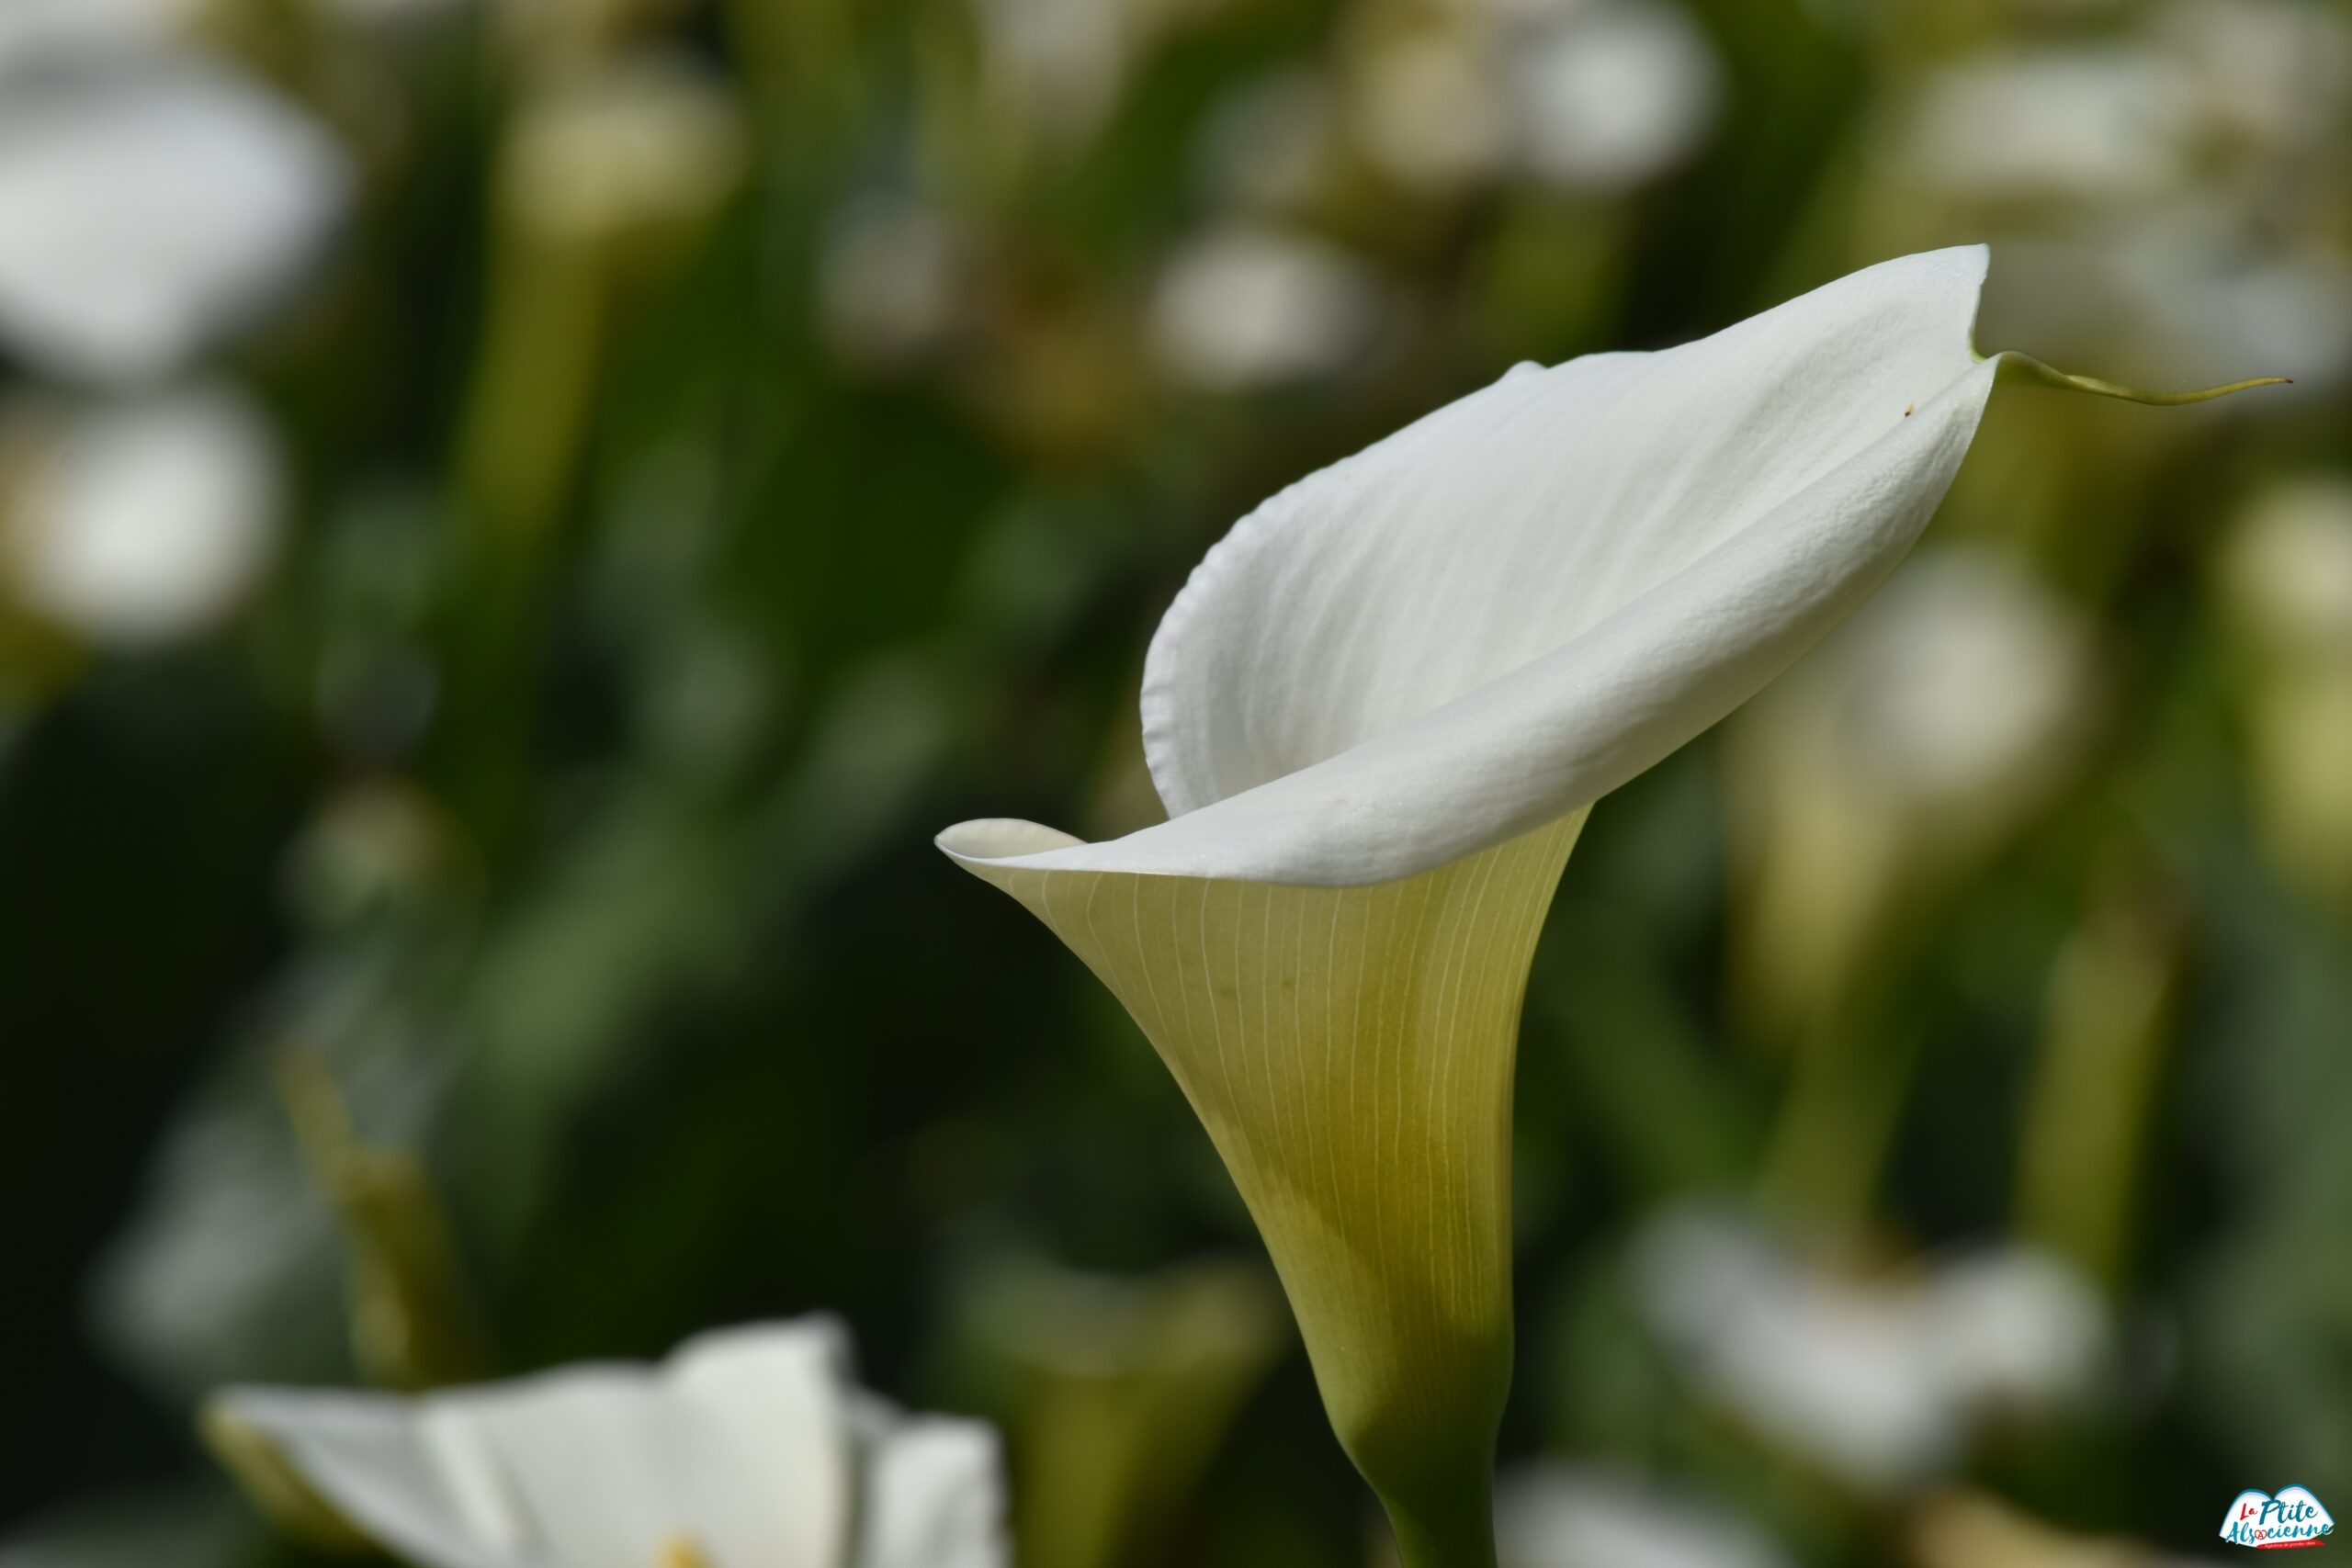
[(747, 1448), (1378, 714)]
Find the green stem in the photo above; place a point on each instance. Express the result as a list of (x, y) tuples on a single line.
[(1456, 1533), (1845, 1101)]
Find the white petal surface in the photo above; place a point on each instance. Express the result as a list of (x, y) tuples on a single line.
[(934, 1494), (147, 206), (367, 1455), (741, 1443), (1508, 609)]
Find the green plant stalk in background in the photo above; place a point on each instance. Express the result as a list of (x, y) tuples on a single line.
[(1351, 1051), (413, 1326)]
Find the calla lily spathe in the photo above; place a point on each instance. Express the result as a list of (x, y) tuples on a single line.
[(1377, 715), (1509, 608), (747, 1448)]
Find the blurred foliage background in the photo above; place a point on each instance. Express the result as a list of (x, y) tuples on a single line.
[(518, 518)]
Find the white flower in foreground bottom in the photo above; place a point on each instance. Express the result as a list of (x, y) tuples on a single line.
[(143, 523), (1378, 714), (148, 206), (747, 1449)]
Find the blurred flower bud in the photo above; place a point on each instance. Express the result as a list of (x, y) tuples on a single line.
[(2287, 582), (147, 208), (1245, 308), (633, 153), (140, 523), (607, 175), (2107, 1025), (370, 846), (1123, 1391), (1969, 1530), (1890, 762), (412, 1322), (2287, 570), (1059, 63), (1423, 109)]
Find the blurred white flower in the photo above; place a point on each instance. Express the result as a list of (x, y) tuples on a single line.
[(747, 1448), (2275, 73), (1907, 747), (1956, 683), (2169, 190), (2286, 578), (1551, 1515), (1064, 61), (142, 522), (1611, 95), (2288, 567), (1247, 307), (2097, 124), (2168, 292), (2011, 1332), (1883, 1385), (147, 206), (42, 32), (1597, 96), (225, 1261)]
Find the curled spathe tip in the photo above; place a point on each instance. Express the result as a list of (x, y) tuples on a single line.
[(2024, 369)]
